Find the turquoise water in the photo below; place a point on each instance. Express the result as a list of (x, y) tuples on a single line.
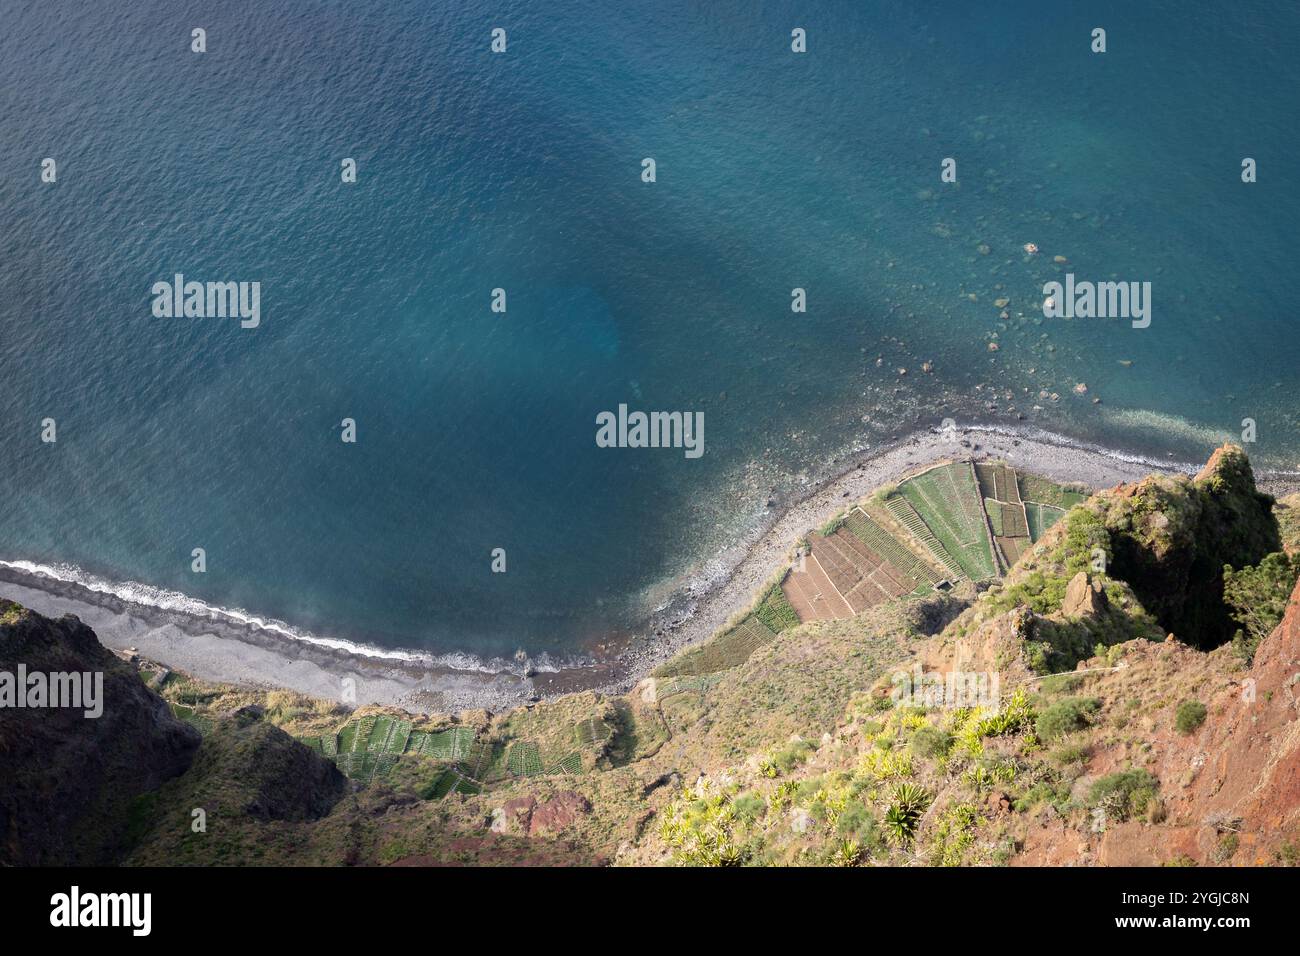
[(522, 171)]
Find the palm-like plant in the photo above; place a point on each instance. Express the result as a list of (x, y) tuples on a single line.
[(910, 800)]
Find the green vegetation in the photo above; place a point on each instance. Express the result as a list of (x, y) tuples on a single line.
[(1041, 583), (1065, 717), (884, 544), (1190, 716), (796, 750), (1068, 754), (9, 612), (1041, 518), (902, 511), (906, 804), (721, 652), (592, 731), (1172, 537), (791, 756), (954, 836), (1044, 492), (1124, 794), (997, 481), (948, 500), (831, 526), (775, 612), (524, 759), (734, 645), (932, 742), (1061, 683), (704, 828), (1258, 596), (993, 509), (1226, 848)]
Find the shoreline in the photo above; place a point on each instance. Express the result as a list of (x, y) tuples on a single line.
[(223, 648)]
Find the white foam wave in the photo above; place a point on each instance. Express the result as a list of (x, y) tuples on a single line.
[(146, 595)]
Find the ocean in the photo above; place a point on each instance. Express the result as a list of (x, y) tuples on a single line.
[(523, 171)]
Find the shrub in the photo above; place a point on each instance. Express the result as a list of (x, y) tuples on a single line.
[(703, 829), (1065, 717), (856, 823), (987, 771), (1191, 714), (954, 836), (1124, 793), (831, 526), (807, 791), (1055, 794), (847, 853), (931, 742), (1015, 714), (1226, 848), (1084, 533), (1061, 683), (1157, 812), (749, 806), (884, 764), (792, 756), (1071, 753), (1258, 597)]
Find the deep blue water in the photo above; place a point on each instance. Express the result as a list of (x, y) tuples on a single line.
[(522, 171)]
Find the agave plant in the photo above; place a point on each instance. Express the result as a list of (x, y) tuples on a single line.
[(848, 853), (913, 797), (899, 825), (909, 801)]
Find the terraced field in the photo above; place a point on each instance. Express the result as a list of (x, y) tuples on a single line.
[(1041, 517), (1044, 492), (525, 760), (452, 744), (810, 592), (734, 646), (1006, 513), (954, 522), (852, 569), (448, 781), (591, 732), (902, 511), (948, 499), (1045, 503), (370, 747), (904, 562), (997, 481)]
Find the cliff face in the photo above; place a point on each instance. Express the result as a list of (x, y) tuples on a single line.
[(66, 780), (1171, 538), (79, 790), (1236, 780)]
